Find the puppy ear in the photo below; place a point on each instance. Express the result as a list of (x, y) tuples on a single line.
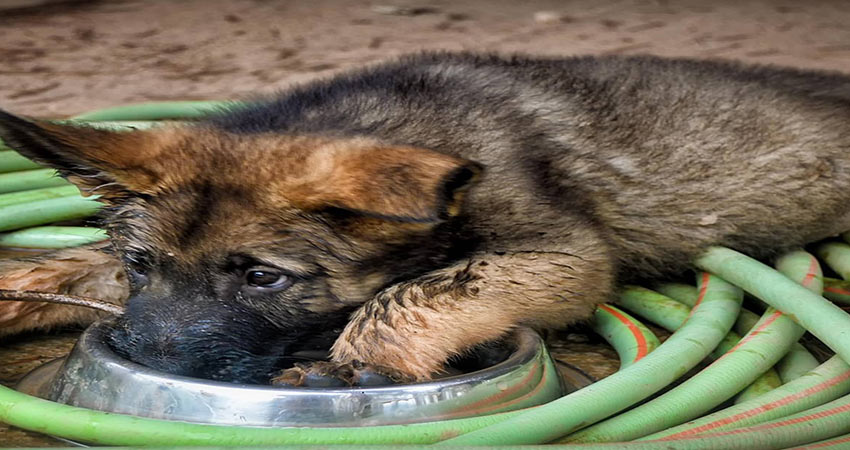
[(395, 183), (105, 162)]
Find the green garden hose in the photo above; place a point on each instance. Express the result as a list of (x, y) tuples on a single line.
[(98, 427), (13, 162), (156, 111), (795, 364), (683, 349), (825, 421), (837, 256), (30, 179), (743, 364), (821, 318), (837, 291), (809, 392), (52, 237), (838, 442), (642, 373), (683, 293), (831, 420), (670, 314), (17, 198), (709, 322), (825, 383), (46, 211), (765, 383), (803, 268), (656, 308), (631, 339), (798, 360)]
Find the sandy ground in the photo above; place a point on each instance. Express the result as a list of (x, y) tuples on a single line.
[(69, 58)]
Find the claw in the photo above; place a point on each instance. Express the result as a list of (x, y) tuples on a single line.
[(315, 380), (329, 374)]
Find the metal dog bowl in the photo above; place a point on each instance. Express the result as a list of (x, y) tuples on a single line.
[(94, 377)]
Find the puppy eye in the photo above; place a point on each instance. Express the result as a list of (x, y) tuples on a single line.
[(266, 278), (137, 266)]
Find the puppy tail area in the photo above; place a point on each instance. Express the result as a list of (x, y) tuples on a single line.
[(84, 271)]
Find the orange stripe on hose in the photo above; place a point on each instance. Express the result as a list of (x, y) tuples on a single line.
[(836, 290), (763, 408), (752, 334), (705, 278), (639, 337), (826, 444), (769, 426), (810, 275), (702, 290)]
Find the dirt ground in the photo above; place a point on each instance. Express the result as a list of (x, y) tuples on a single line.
[(64, 59), (68, 59)]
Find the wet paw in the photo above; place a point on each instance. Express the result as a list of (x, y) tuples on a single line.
[(330, 374)]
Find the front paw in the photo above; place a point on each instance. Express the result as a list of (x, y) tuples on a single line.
[(323, 374)]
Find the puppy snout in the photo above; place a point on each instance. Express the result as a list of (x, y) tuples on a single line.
[(158, 349), (210, 346)]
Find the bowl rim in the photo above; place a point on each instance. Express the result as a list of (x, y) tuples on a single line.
[(527, 344)]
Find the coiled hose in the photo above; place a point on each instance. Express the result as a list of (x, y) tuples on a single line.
[(814, 405)]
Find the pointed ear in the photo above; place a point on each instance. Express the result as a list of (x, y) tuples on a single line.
[(396, 183), (104, 162)]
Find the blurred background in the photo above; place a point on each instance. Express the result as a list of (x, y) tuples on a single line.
[(65, 57)]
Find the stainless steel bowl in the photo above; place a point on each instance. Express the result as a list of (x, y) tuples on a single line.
[(94, 377)]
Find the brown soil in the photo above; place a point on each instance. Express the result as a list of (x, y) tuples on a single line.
[(67, 58)]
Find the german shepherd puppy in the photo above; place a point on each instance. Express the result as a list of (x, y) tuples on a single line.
[(418, 208)]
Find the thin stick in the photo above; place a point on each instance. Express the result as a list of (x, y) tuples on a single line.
[(32, 296)]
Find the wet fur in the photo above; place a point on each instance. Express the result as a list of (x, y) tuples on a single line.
[(430, 204)]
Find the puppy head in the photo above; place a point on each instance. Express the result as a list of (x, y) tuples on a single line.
[(242, 249)]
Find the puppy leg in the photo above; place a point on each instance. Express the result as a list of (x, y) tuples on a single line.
[(416, 326), (86, 271)]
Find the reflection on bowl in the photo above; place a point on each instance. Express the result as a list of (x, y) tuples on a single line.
[(94, 377)]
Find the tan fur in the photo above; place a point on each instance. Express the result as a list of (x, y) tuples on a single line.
[(415, 327), (365, 176)]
